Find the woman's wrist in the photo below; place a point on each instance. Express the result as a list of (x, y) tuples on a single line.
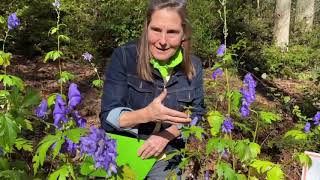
[(170, 133)]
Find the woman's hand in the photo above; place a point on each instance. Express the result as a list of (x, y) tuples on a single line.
[(153, 146), (157, 112)]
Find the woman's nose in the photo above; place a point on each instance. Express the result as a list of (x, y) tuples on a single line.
[(163, 41)]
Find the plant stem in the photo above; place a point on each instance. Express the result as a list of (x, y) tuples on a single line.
[(4, 41), (255, 132), (5, 67), (60, 63)]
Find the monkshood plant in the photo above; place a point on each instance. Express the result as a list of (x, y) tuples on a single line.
[(64, 76), (88, 58), (306, 135), (16, 104), (74, 151), (233, 157)]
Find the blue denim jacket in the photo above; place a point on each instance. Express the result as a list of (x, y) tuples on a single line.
[(124, 90)]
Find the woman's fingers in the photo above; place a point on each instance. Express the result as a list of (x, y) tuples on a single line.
[(146, 150), (178, 120)]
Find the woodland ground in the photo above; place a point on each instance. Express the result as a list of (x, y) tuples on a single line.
[(43, 77)]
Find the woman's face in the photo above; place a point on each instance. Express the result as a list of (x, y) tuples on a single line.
[(165, 33)]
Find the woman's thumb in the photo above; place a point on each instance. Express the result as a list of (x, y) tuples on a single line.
[(163, 95)]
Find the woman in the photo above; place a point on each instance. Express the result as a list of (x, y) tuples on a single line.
[(149, 84)]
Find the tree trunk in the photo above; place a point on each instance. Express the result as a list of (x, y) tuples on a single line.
[(304, 15), (282, 23)]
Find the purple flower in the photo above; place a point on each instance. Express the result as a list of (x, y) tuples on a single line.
[(316, 118), (216, 73), (81, 122), (249, 81), (227, 125), (101, 148), (13, 21), (41, 110), (69, 147), (207, 175), (59, 112), (73, 96), (194, 121), (248, 94), (57, 4), (221, 50), (307, 127), (87, 56)]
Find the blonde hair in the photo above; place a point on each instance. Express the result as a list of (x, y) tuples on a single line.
[(144, 68)]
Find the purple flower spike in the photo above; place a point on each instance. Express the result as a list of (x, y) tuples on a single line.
[(248, 94), (194, 121), (221, 50), (207, 175), (216, 73), (74, 96), (13, 21), (227, 126), (41, 110), (57, 4), (87, 56), (316, 118), (101, 148), (248, 79), (69, 147), (59, 112), (307, 127), (81, 122)]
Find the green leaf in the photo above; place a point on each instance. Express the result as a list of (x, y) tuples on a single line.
[(32, 98), (247, 150), (4, 163), (60, 174), (2, 20), (225, 170), (44, 145), (64, 38), (262, 166), (97, 83), (57, 147), (5, 58), (269, 117), (193, 130), (51, 99), (28, 124), (53, 55), (9, 80), (65, 76), (24, 144), (88, 168), (53, 30), (235, 101), (8, 132), (75, 134), (218, 144), (275, 173), (303, 159), (215, 119), (296, 134), (12, 174)]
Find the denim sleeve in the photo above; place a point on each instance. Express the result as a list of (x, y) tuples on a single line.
[(115, 92), (113, 119)]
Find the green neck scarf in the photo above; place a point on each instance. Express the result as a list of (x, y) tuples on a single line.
[(165, 68)]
